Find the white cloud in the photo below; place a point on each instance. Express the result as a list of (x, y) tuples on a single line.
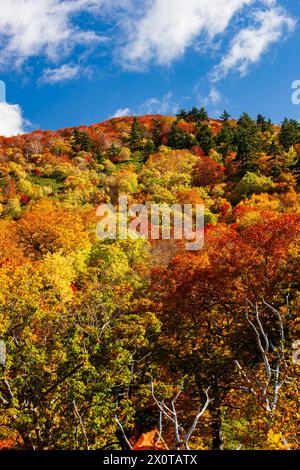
[(11, 120), (140, 32), (64, 73), (214, 97), (47, 28), (122, 112), (164, 105), (169, 28), (252, 42)]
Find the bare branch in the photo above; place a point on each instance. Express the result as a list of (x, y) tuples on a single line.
[(123, 432), (197, 417), (81, 425), (181, 437)]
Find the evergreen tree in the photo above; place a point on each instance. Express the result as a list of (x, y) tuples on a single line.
[(202, 115), (136, 136), (156, 133), (247, 142), (289, 133), (182, 114), (194, 115), (81, 141), (113, 151), (179, 139), (263, 124), (226, 138), (225, 116), (148, 149), (205, 137)]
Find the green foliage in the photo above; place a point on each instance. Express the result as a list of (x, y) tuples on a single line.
[(252, 183), (180, 139), (247, 144), (226, 139), (136, 136), (289, 133), (81, 141), (194, 115), (156, 133), (263, 124), (205, 137), (225, 116), (88, 323)]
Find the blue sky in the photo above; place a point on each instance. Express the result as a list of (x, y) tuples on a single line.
[(72, 62)]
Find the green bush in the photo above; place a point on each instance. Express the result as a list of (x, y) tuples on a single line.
[(252, 183)]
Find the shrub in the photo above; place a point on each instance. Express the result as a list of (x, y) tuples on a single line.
[(252, 183)]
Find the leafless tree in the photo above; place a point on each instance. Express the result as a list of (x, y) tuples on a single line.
[(182, 437), (267, 388)]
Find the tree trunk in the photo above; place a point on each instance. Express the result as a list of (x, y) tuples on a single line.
[(216, 430)]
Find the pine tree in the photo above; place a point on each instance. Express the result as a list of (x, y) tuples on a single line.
[(202, 115), (289, 133), (247, 143), (225, 116), (179, 139), (81, 141), (148, 149), (113, 151), (225, 139), (205, 137), (156, 133), (263, 124), (136, 136), (182, 114)]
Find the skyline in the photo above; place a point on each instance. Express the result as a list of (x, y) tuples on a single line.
[(76, 62)]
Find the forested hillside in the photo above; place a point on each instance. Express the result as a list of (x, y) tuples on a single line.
[(101, 336)]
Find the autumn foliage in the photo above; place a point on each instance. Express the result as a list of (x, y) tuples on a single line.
[(88, 328)]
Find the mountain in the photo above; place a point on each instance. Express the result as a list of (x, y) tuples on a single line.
[(92, 329)]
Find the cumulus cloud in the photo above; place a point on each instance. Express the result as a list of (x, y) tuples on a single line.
[(11, 120), (138, 33), (252, 42), (168, 28), (47, 28), (165, 31)]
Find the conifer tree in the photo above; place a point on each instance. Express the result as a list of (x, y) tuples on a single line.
[(205, 137), (136, 136), (247, 144), (225, 116), (289, 133), (225, 139), (180, 139), (156, 133), (81, 141), (263, 124), (202, 115)]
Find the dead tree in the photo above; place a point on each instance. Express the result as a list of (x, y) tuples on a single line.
[(266, 389), (182, 437)]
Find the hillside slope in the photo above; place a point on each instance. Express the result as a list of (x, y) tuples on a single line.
[(87, 324)]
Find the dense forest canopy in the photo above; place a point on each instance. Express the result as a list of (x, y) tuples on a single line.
[(101, 335)]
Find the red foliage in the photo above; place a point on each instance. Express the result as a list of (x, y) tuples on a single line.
[(24, 199), (74, 288), (197, 150), (208, 172)]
